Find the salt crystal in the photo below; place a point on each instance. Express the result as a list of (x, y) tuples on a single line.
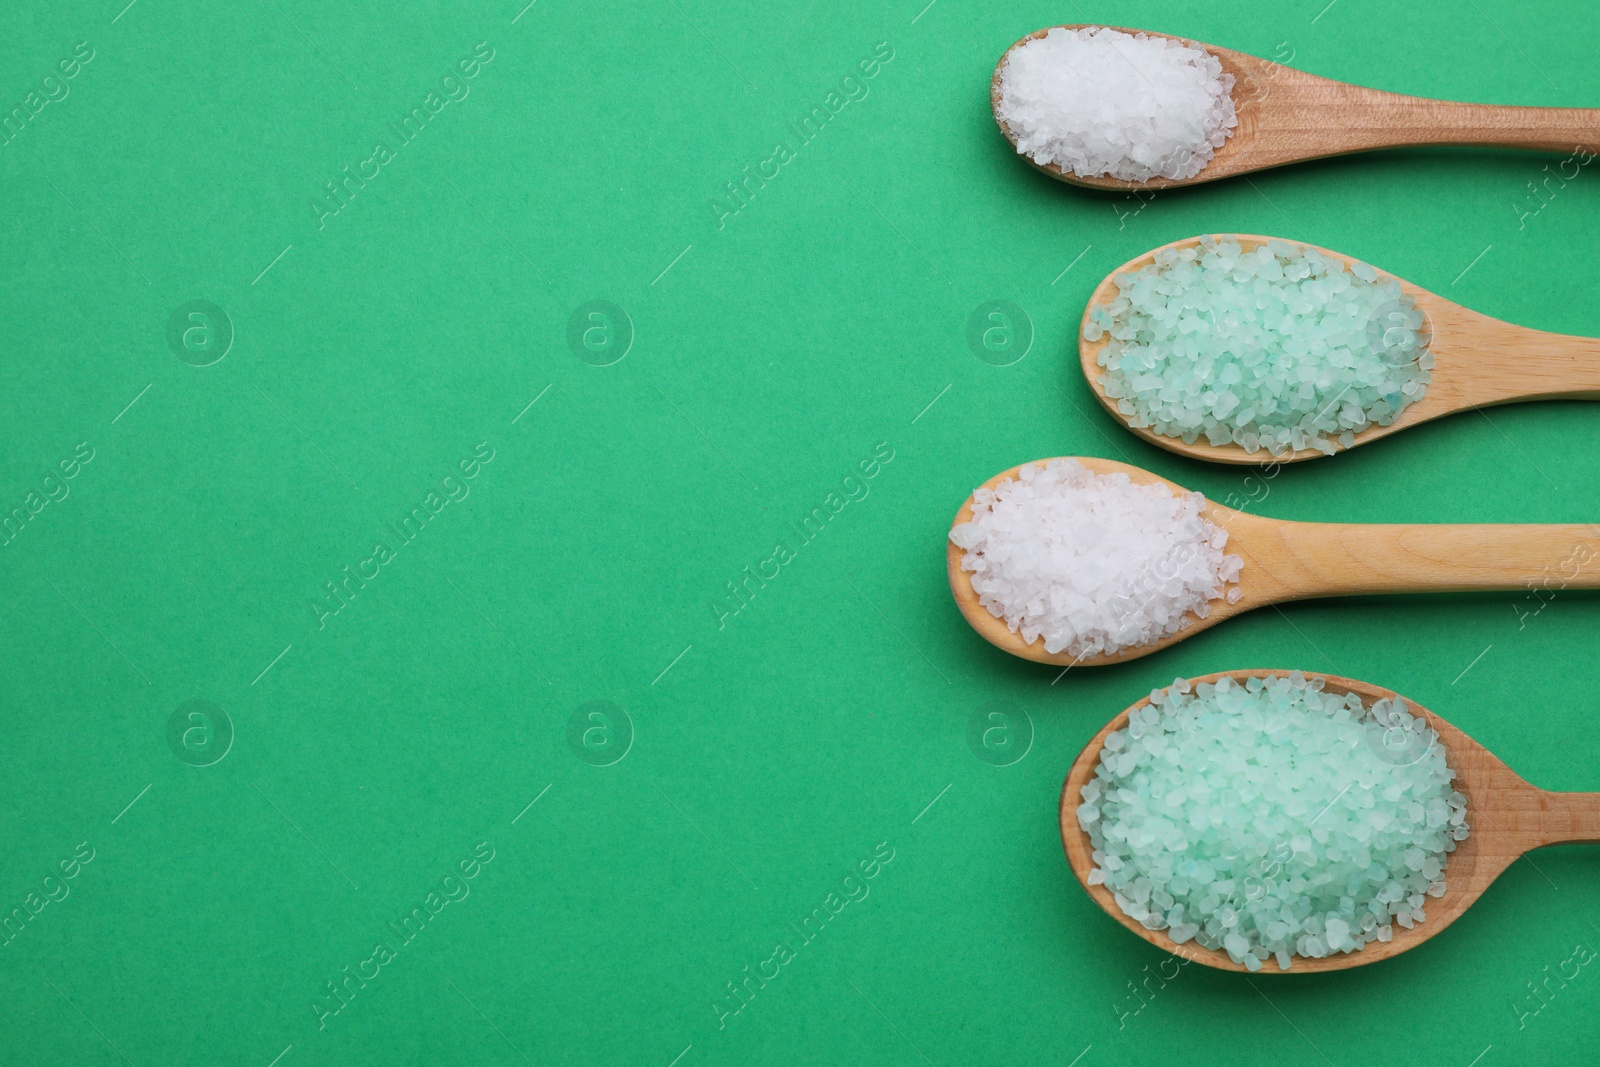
[(1092, 563), (1306, 848), (1099, 102), (1287, 364)]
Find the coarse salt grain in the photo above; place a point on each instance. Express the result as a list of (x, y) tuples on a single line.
[(1092, 563), (1099, 102), (1280, 348), (1272, 819)]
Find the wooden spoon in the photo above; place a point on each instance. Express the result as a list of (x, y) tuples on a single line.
[(1289, 116), (1478, 362), (1297, 560), (1507, 817)]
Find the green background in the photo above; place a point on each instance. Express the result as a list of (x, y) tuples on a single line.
[(773, 752)]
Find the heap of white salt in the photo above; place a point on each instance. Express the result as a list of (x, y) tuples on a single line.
[(1092, 562), (1102, 103)]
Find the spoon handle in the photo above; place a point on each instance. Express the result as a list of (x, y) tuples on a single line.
[(1392, 120), (1561, 817), (1516, 363), (1481, 361), (1307, 559)]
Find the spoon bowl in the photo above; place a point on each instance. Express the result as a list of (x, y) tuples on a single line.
[(1478, 362), (1286, 561), (1288, 116), (1507, 816)]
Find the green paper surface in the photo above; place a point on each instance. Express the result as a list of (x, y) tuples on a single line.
[(388, 599)]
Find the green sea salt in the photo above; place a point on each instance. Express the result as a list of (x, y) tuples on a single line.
[(1277, 349), (1272, 819)]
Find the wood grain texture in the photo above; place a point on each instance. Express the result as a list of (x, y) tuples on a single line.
[(1289, 116), (1506, 815), (1286, 561), (1478, 362)]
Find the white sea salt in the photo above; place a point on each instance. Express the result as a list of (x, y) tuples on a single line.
[(1272, 819), (1277, 349), (1092, 563), (1099, 102)]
